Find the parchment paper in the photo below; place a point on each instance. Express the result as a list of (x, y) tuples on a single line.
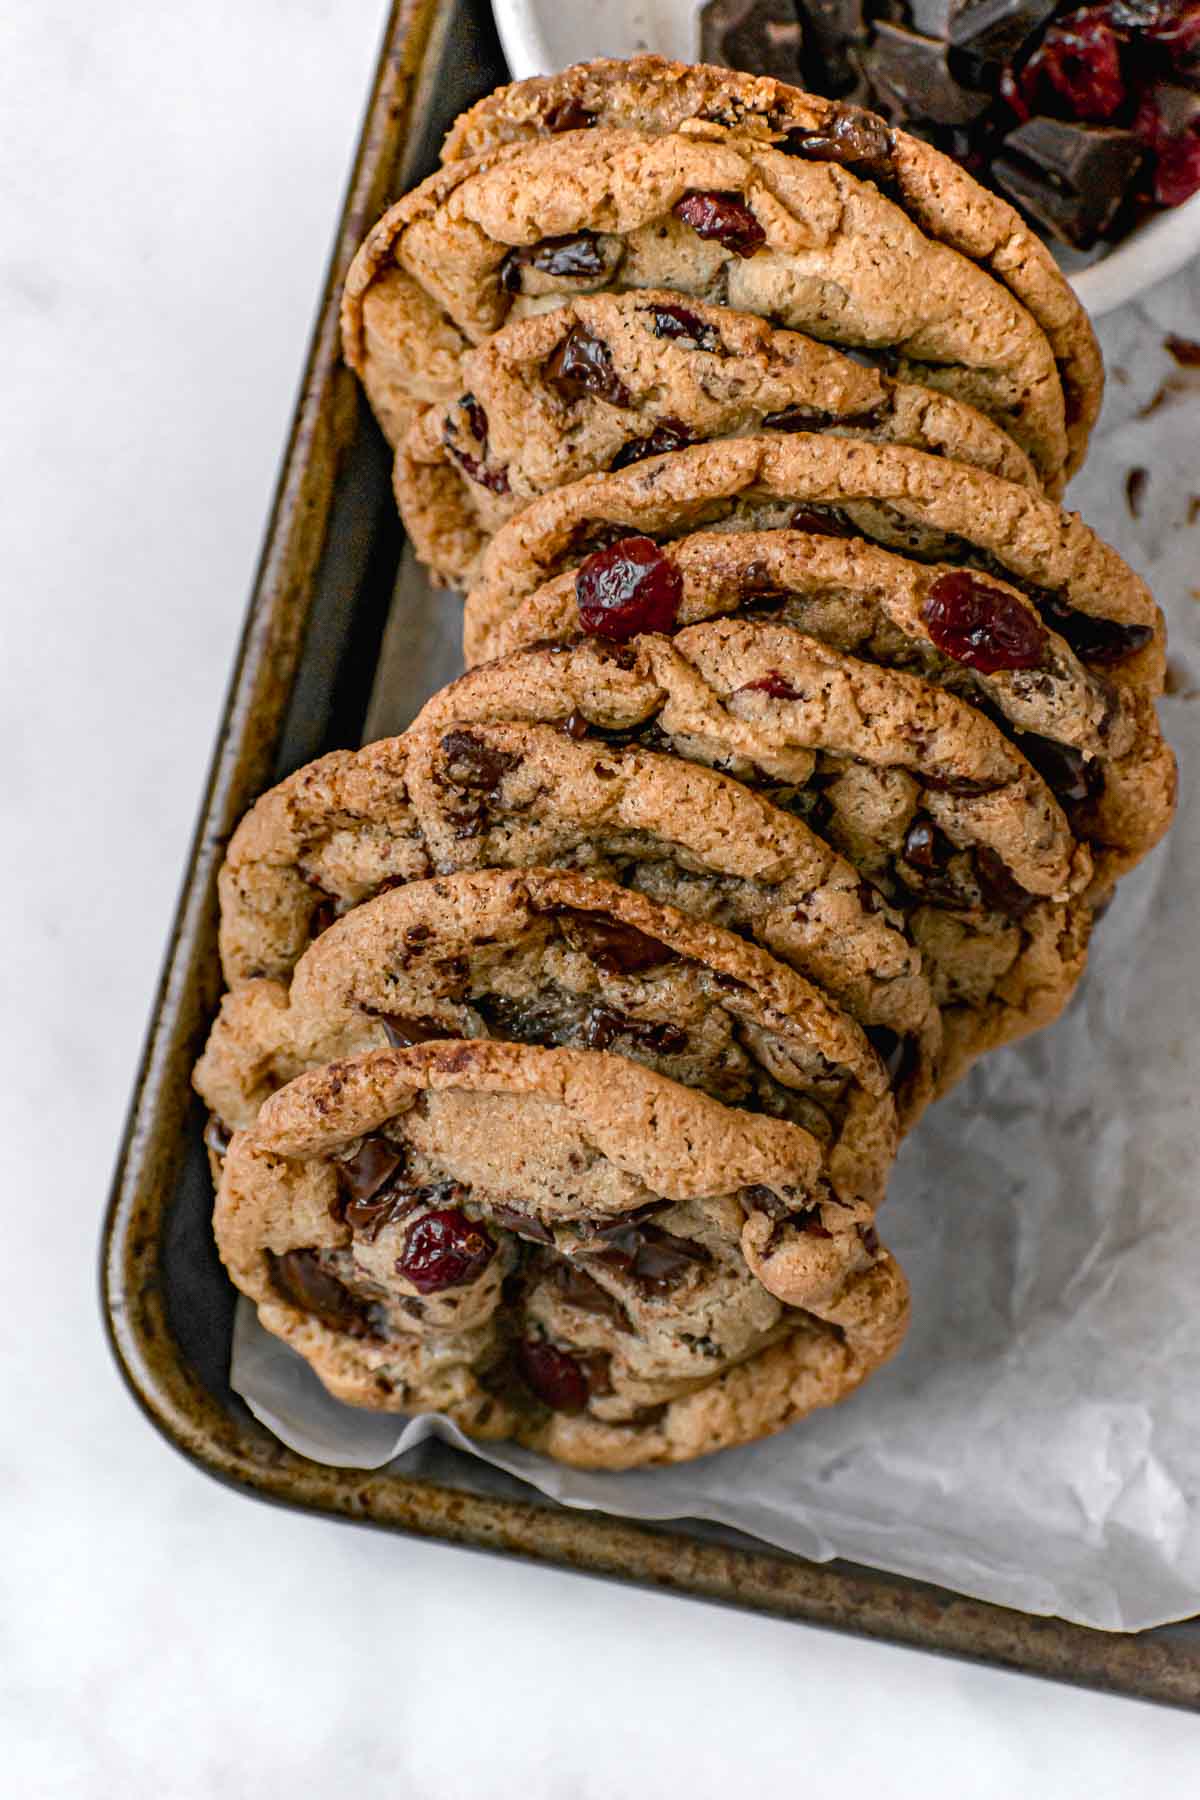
[(1037, 1441)]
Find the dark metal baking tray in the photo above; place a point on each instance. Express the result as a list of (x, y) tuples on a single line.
[(301, 684)]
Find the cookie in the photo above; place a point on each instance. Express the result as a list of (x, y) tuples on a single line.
[(738, 222), (555, 959), (606, 380), (650, 94), (1098, 745), (525, 796), (919, 790), (555, 1246)]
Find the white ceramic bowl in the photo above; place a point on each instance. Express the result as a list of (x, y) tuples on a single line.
[(542, 35)]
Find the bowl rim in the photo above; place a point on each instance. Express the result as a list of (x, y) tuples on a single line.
[(1157, 247)]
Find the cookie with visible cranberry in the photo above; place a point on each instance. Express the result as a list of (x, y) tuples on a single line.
[(525, 796), (1096, 744), (606, 380), (916, 787), (649, 94), (553, 958), (736, 222), (555, 1246)]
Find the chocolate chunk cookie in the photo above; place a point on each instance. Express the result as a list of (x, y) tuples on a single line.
[(921, 791), (1096, 743), (553, 958), (555, 1246), (735, 221), (648, 94), (525, 796), (606, 380)]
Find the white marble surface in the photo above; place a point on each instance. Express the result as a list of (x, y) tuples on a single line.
[(170, 177)]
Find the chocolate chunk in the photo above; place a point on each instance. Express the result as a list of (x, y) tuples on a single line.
[(617, 948), (522, 1224), (582, 364), (367, 1218), (568, 115), (992, 31), (764, 1200), (912, 78), (763, 35), (603, 1026), (471, 420), (575, 726), (1067, 774), (822, 521), (998, 886), (804, 418), (582, 1290), (403, 1030), (299, 1277), (1072, 178), (679, 325), (1093, 639), (852, 137), (476, 770), (361, 1176), (653, 1259), (668, 434), (579, 256), (322, 916), (924, 845)]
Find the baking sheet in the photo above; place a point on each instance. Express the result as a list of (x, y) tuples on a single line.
[(1037, 1442)]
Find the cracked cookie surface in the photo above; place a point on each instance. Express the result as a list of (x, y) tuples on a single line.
[(554, 1246), (737, 222), (648, 93), (606, 380)]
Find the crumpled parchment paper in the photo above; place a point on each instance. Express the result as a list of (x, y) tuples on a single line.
[(1037, 1441)]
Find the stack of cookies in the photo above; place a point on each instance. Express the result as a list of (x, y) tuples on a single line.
[(569, 1036)]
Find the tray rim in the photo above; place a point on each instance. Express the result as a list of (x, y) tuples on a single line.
[(869, 1603)]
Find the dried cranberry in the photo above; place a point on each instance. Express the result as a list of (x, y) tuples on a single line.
[(668, 434), (982, 626), (445, 1249), (681, 326), (1177, 169), (628, 588), (771, 683), (577, 255), (568, 115), (1094, 639), (299, 1277), (821, 521), (1080, 59), (724, 218), (556, 1378), (362, 1175), (615, 947), (582, 364)]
